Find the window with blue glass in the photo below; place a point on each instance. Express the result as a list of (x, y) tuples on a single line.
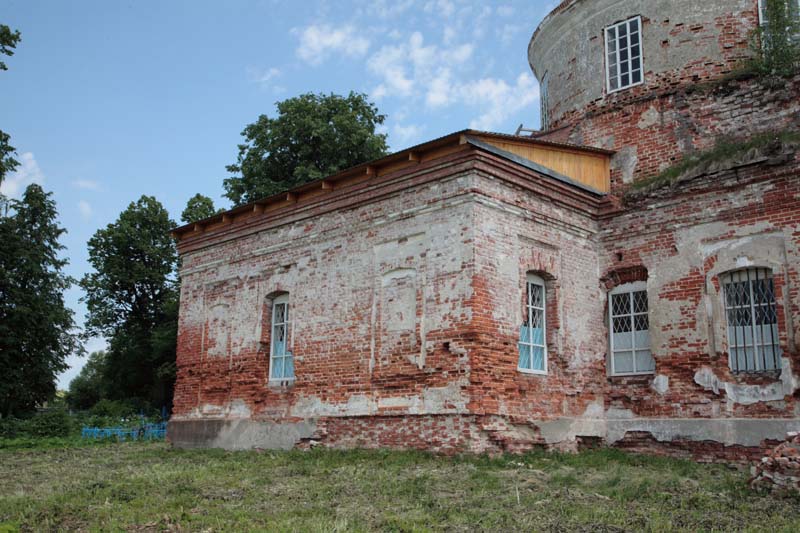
[(281, 360), (532, 346)]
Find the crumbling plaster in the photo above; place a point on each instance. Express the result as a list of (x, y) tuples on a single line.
[(337, 271)]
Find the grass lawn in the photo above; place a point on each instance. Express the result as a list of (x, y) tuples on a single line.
[(149, 487)]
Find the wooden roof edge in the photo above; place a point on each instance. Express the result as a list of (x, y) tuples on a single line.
[(408, 154), (527, 163), (534, 140)]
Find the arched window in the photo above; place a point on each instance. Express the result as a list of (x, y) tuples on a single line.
[(629, 325), (752, 320), (532, 346), (281, 360), (544, 112)]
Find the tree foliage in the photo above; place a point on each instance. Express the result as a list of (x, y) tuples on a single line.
[(131, 298), (776, 42), (88, 387), (7, 152), (197, 208), (8, 42), (36, 328), (313, 136)]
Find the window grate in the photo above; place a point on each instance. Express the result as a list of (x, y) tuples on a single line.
[(752, 320), (624, 55)]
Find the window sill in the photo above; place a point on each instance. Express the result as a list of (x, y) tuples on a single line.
[(532, 372), (633, 374), (610, 91), (280, 383)]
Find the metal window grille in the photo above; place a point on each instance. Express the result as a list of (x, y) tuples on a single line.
[(624, 55), (532, 347), (752, 321), (281, 359), (630, 332)]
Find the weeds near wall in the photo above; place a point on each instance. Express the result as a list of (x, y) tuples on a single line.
[(725, 149)]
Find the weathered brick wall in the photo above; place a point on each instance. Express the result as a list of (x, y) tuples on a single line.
[(456, 249), (520, 231), (683, 43), (654, 131), (378, 295), (688, 99), (686, 239)]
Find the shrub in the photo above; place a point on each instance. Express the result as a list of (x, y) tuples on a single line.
[(51, 423), (9, 427), (116, 409)]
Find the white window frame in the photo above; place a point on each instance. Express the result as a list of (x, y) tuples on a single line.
[(274, 325), (544, 114), (749, 276), (630, 289), (762, 21), (532, 279), (615, 27)]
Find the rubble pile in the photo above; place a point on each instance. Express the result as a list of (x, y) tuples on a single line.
[(780, 468)]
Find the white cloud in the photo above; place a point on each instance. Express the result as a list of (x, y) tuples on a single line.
[(498, 99), (413, 67), (89, 185), (85, 209), (445, 8), (404, 135), (505, 11), (388, 8), (509, 31), (265, 77), (318, 42), (28, 172), (440, 90)]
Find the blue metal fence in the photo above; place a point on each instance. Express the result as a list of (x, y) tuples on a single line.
[(145, 432)]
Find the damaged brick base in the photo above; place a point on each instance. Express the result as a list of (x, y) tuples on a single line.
[(728, 440)]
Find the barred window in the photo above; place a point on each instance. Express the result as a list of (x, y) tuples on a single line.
[(630, 330), (752, 320), (532, 347), (624, 54), (281, 360)]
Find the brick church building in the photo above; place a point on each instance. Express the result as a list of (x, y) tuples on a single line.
[(491, 292)]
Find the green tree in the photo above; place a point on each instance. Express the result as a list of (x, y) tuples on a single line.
[(37, 331), (313, 136), (8, 42), (7, 152), (131, 297), (197, 208), (89, 387), (777, 39)]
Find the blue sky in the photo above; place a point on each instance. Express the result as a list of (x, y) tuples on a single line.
[(108, 100)]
